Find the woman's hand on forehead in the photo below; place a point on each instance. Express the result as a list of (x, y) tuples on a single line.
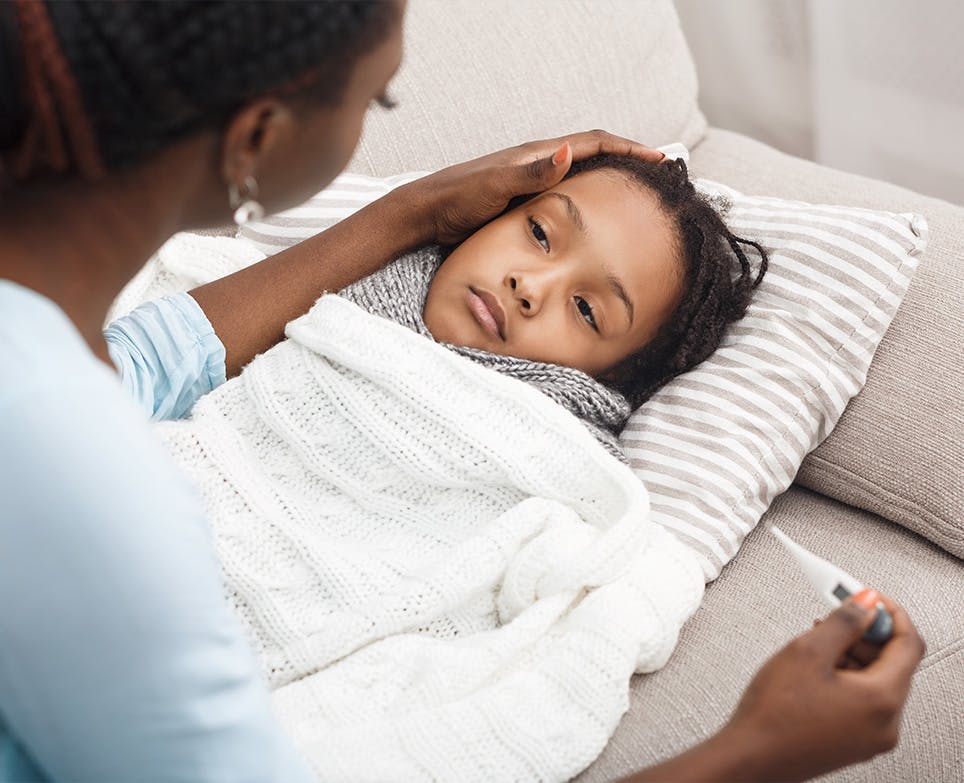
[(588, 144), (460, 199)]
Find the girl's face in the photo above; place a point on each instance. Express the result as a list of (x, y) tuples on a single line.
[(583, 275)]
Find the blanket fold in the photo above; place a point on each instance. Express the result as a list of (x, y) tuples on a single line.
[(445, 576)]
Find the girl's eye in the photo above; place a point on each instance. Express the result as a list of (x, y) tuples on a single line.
[(585, 310), (539, 234)]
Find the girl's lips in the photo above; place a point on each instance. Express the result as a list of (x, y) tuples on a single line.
[(487, 311)]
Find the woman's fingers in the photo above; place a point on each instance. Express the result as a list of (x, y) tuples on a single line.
[(549, 160), (586, 144), (599, 142), (902, 653), (816, 693), (864, 653), (840, 630)]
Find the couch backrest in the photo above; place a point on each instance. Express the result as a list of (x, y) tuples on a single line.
[(479, 76)]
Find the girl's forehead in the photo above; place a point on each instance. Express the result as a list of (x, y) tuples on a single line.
[(598, 191), (610, 210)]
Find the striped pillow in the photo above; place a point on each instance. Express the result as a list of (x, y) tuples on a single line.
[(716, 445)]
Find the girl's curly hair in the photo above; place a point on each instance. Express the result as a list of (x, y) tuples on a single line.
[(717, 277)]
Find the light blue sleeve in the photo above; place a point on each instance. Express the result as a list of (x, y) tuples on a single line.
[(120, 659), (167, 355)]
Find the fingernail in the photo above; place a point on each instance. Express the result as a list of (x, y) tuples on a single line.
[(662, 157), (867, 598), (560, 155)]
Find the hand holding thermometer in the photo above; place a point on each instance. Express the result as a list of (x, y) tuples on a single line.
[(834, 585)]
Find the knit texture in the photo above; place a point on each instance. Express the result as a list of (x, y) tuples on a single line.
[(399, 290), (445, 576)]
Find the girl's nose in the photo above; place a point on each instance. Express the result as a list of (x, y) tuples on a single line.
[(526, 292)]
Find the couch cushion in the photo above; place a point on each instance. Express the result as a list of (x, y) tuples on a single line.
[(479, 76), (762, 600), (898, 449)]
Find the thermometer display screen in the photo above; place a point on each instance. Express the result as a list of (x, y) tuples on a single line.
[(841, 592)]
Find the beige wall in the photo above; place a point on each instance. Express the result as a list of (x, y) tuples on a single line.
[(871, 86)]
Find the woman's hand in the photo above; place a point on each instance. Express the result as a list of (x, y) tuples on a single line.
[(814, 706), (457, 200)]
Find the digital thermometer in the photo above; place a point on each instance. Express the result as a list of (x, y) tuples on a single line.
[(834, 585)]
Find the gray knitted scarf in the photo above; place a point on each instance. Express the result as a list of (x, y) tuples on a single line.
[(398, 292)]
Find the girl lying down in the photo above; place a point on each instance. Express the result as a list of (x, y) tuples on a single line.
[(438, 561), (596, 292)]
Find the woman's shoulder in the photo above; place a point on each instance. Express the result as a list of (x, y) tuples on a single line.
[(37, 339)]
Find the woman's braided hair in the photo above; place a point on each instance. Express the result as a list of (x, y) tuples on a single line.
[(92, 86), (717, 277)]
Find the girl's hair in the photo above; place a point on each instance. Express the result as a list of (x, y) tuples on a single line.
[(92, 86), (717, 278)]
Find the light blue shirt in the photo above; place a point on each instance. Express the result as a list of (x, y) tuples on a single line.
[(119, 659)]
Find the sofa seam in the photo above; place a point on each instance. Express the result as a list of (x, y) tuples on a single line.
[(948, 650)]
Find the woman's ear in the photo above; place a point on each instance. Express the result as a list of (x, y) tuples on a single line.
[(251, 134)]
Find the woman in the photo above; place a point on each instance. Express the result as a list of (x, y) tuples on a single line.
[(122, 124)]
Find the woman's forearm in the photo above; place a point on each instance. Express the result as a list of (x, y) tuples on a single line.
[(250, 308), (730, 756)]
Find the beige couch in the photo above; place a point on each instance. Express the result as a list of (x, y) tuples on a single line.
[(484, 74)]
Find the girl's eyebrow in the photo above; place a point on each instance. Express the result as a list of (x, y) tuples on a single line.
[(617, 287), (575, 216)]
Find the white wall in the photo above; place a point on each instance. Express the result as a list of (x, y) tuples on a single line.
[(871, 86)]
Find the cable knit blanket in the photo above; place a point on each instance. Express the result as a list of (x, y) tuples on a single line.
[(445, 575)]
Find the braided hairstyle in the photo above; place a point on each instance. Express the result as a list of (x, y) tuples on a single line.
[(717, 278), (92, 86)]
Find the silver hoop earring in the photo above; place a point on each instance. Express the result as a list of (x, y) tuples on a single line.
[(244, 201)]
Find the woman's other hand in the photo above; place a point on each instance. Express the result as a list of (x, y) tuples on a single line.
[(814, 706), (459, 199)]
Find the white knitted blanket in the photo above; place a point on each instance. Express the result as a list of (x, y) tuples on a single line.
[(445, 575)]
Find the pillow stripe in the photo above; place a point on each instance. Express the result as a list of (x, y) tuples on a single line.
[(846, 270), (847, 307), (703, 414), (847, 230), (743, 362), (678, 513), (769, 452), (897, 224), (767, 410), (737, 474), (731, 495), (853, 243), (737, 453), (679, 501), (806, 344)]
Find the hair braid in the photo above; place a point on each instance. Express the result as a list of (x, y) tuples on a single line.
[(55, 105), (122, 80)]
